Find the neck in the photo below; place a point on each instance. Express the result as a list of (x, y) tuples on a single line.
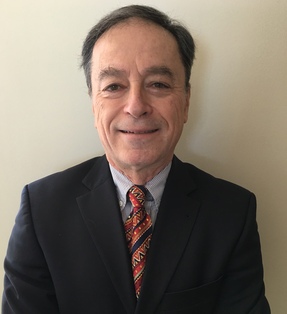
[(140, 175)]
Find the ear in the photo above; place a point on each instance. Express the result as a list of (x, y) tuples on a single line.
[(186, 105)]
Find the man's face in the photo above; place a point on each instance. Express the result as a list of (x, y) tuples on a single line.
[(140, 101)]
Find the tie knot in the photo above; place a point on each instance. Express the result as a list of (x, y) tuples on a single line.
[(137, 195)]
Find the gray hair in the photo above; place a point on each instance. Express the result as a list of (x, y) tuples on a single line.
[(180, 33)]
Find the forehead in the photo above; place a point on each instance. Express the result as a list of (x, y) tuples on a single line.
[(136, 41)]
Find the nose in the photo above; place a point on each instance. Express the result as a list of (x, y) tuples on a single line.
[(137, 104)]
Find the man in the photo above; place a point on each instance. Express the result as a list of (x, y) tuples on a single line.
[(73, 246)]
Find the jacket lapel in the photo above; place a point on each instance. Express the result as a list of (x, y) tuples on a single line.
[(102, 216), (176, 217)]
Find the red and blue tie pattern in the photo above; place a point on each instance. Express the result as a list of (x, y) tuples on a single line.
[(138, 229)]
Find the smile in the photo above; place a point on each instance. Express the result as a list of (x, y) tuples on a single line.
[(139, 132)]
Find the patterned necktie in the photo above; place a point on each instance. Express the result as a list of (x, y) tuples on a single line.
[(138, 229)]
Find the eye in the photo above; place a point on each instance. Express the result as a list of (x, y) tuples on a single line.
[(160, 85), (112, 88)]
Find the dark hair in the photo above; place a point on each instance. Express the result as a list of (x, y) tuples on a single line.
[(181, 34)]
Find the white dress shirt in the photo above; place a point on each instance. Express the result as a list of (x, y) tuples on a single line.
[(155, 189)]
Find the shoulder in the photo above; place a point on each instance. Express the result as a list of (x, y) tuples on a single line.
[(222, 203), (206, 184), (68, 179)]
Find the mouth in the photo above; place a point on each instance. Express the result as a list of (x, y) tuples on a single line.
[(139, 132)]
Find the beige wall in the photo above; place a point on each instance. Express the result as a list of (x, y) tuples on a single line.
[(238, 116)]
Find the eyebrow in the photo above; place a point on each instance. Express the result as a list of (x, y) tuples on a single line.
[(110, 72), (160, 70), (153, 70)]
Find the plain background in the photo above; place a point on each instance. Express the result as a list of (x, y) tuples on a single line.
[(238, 115)]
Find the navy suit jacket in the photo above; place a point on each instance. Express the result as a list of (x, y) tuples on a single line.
[(67, 253)]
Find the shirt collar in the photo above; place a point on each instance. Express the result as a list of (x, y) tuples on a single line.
[(155, 186)]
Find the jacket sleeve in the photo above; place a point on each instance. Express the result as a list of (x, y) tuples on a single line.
[(243, 288), (28, 287)]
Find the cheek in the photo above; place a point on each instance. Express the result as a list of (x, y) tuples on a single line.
[(98, 113), (105, 117), (178, 114)]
